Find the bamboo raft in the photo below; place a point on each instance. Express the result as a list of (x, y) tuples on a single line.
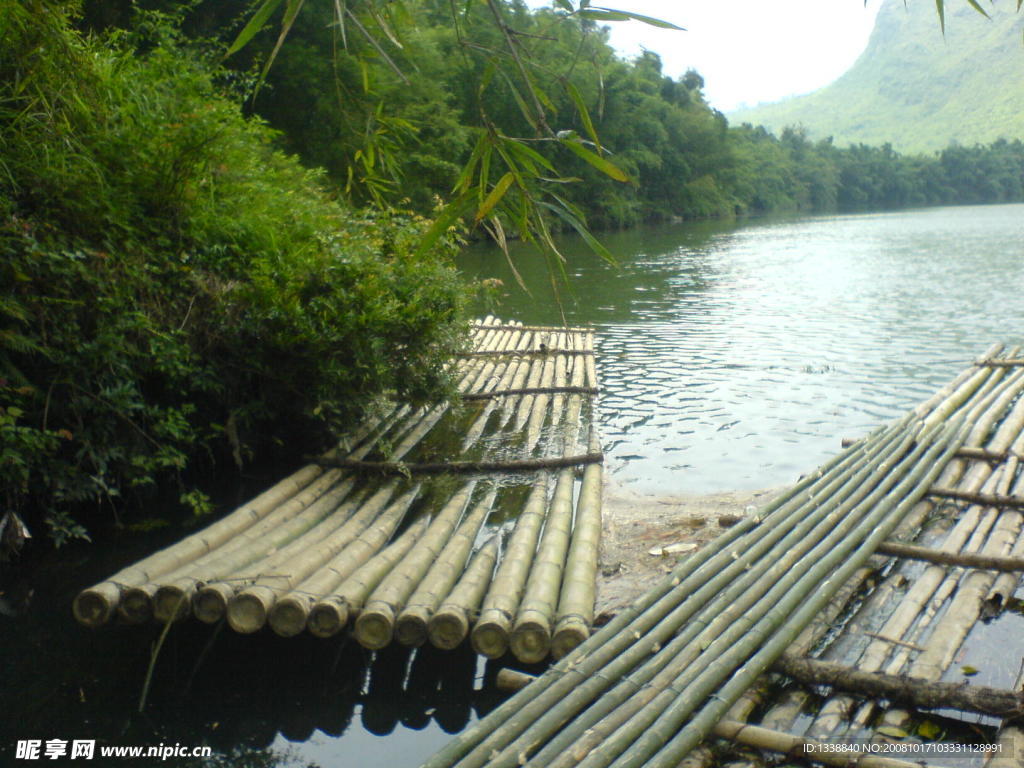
[(691, 660), (394, 538)]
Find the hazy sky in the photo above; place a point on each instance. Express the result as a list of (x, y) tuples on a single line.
[(749, 50)]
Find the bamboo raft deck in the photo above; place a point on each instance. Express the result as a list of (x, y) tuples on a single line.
[(824, 571), (427, 525)]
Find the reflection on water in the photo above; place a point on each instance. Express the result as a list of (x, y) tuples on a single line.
[(737, 358), (259, 701)]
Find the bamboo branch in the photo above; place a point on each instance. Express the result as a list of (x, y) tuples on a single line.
[(913, 691), (544, 351), (984, 499), (964, 559), (532, 391)]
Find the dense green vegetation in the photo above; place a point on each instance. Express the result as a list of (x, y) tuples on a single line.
[(177, 293), (174, 289), (401, 129), (917, 88)]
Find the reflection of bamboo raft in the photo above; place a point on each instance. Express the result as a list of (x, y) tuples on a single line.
[(340, 542), (665, 673)]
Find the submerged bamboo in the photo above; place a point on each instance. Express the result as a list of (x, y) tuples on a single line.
[(375, 625), (411, 625), (491, 632), (449, 625)]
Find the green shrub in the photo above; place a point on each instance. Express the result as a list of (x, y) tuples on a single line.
[(172, 287)]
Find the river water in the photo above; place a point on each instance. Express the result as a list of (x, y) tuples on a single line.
[(730, 356), (738, 357)]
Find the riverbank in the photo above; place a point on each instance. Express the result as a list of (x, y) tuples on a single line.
[(643, 536)]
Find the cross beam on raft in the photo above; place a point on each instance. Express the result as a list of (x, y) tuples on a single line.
[(464, 467)]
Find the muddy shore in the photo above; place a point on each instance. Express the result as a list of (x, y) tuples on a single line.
[(644, 536)]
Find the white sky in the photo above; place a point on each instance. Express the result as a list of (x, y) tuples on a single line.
[(749, 51)]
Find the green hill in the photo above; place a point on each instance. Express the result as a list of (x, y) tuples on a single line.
[(915, 89)]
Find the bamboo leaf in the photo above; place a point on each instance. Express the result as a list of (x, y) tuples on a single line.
[(495, 195), (256, 23), (606, 167), (524, 152), (969, 671), (629, 15), (565, 5), (595, 245), (581, 108), (447, 216), (467, 170), (941, 8), (974, 4)]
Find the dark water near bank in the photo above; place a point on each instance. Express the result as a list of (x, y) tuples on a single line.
[(730, 357)]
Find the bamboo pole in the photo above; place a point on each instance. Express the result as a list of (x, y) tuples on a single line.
[(449, 625), (289, 615), (739, 732), (921, 602), (576, 603), (916, 691), (504, 382), (524, 363), (331, 613), (491, 632), (554, 367), (652, 610), (95, 606), (211, 601), (411, 625), (543, 366), (965, 607), (726, 613), (468, 467), (667, 740), (530, 640), (248, 610), (291, 519), (963, 559), (375, 624)]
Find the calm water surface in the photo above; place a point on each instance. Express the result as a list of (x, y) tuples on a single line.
[(731, 357), (737, 358)]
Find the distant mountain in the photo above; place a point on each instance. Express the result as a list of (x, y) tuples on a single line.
[(915, 89)]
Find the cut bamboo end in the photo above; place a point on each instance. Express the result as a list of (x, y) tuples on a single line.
[(95, 606), (136, 605), (211, 602), (448, 627), (490, 638), (327, 618), (568, 637), (247, 612), (411, 627), (289, 615), (170, 601), (531, 640), (375, 626)]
